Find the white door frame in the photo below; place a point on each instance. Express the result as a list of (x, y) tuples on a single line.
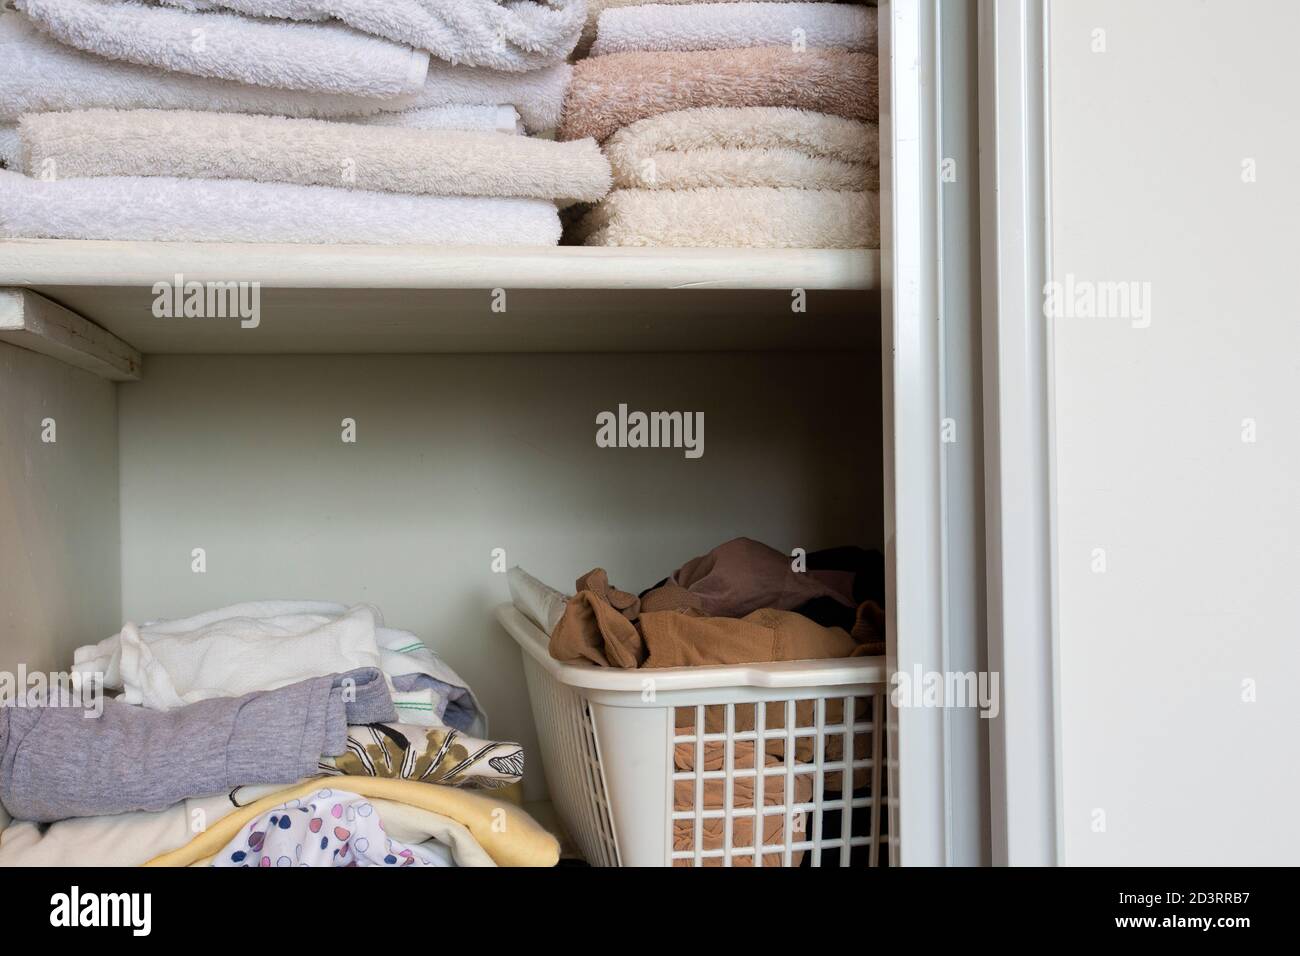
[(1020, 486), (932, 770)]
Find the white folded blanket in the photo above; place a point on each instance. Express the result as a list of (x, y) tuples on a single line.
[(275, 149), (486, 119), (42, 75), (322, 57), (746, 146), (512, 35), (188, 210), (723, 26), (540, 603), (751, 217), (230, 652)]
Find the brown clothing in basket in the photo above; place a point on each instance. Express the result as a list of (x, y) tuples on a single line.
[(670, 628), (594, 630), (713, 829), (745, 575)]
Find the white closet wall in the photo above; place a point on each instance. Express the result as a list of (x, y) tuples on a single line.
[(59, 542), (1173, 146), (457, 455)]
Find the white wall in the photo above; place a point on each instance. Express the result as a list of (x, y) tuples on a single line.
[(457, 455), (1200, 528), (59, 574)]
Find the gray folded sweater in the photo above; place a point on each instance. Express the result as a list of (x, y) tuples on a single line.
[(59, 762)]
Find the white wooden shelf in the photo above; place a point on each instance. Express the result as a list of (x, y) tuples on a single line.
[(367, 299)]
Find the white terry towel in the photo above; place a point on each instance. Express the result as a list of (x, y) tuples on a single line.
[(746, 146), (540, 603), (42, 75), (484, 119), (596, 7), (513, 35), (230, 652), (230, 210), (275, 149), (322, 57), (724, 26), (751, 217)]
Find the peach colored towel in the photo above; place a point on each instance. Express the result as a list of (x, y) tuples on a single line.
[(610, 92)]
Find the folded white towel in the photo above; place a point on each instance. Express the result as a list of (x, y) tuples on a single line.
[(262, 644), (724, 26), (752, 217), (485, 119), (540, 603), (232, 210), (746, 146), (231, 652), (42, 75), (275, 149), (321, 57), (512, 35)]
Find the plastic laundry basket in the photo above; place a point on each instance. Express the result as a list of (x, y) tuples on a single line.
[(665, 767)]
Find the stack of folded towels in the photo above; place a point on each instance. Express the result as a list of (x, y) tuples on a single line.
[(744, 124), (352, 121), (272, 733)]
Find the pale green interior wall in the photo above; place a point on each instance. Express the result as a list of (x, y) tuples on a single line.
[(460, 454), (59, 540)]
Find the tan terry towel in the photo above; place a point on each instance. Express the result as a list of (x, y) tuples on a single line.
[(747, 217), (610, 92), (746, 146), (310, 152)]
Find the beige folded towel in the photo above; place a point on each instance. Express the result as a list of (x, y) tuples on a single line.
[(746, 146), (756, 217), (276, 149), (610, 92)]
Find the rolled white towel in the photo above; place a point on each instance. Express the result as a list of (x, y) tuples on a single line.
[(725, 26), (276, 149), (42, 75), (539, 602), (230, 210), (321, 57), (510, 36)]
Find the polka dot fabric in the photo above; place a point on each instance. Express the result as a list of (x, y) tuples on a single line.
[(327, 828)]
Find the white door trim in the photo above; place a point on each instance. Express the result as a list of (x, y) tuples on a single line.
[(911, 269), (1019, 481)]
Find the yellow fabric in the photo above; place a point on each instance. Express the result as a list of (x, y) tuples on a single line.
[(508, 834)]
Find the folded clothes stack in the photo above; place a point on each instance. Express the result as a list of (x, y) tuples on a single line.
[(346, 121), (275, 733), (732, 124)]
